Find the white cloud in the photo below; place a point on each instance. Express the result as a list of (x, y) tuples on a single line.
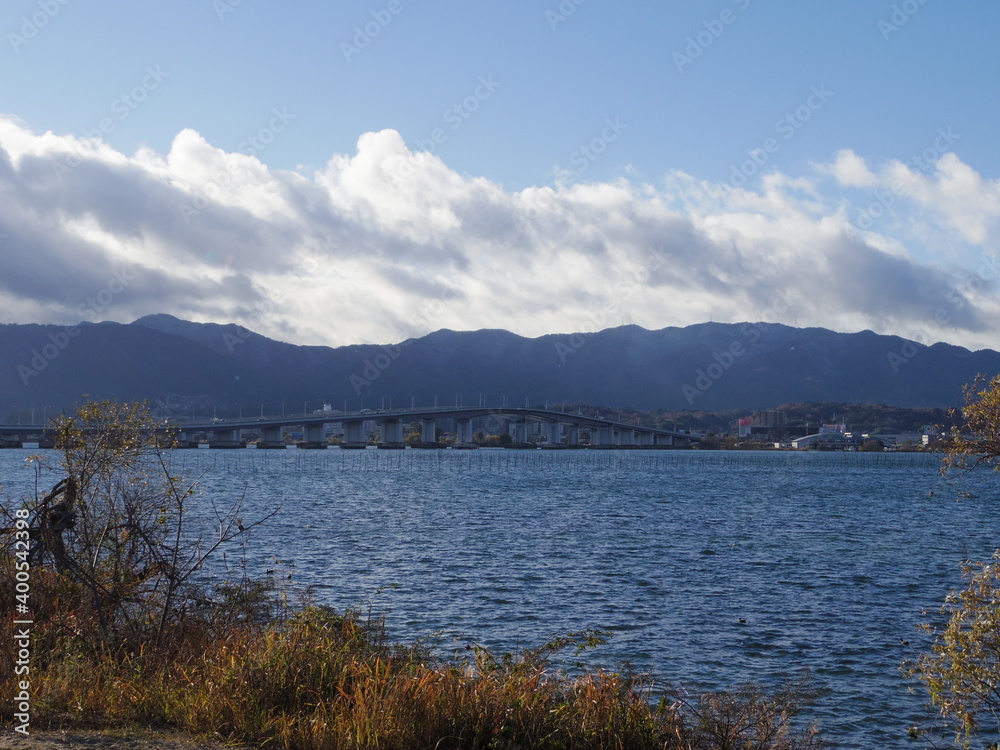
[(850, 169), (387, 243)]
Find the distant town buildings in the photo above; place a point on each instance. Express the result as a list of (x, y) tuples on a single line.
[(764, 424), (771, 426)]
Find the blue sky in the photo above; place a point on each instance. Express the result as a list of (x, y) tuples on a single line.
[(367, 171)]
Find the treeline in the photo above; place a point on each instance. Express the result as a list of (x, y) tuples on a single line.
[(798, 417), (873, 418)]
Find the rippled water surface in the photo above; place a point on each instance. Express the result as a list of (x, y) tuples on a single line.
[(710, 568)]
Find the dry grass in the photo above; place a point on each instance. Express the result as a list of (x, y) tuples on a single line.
[(319, 680)]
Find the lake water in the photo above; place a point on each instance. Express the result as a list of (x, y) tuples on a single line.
[(711, 569)]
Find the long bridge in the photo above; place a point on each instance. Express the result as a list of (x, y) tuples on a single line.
[(557, 429)]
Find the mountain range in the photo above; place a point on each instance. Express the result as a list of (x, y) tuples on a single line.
[(179, 366)]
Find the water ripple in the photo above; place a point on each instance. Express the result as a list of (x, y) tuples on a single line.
[(709, 568)]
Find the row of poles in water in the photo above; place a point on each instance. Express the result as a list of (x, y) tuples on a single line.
[(334, 461)]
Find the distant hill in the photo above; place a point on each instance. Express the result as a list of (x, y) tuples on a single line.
[(177, 366)]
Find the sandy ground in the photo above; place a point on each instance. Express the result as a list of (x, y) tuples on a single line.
[(118, 739)]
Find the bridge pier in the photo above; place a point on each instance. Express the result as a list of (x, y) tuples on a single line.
[(428, 434), (224, 439), (354, 435), (273, 437), (553, 434), (463, 433), (428, 431), (392, 434), (314, 435), (573, 436), (606, 438)]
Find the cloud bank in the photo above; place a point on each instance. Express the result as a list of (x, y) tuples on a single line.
[(389, 243)]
